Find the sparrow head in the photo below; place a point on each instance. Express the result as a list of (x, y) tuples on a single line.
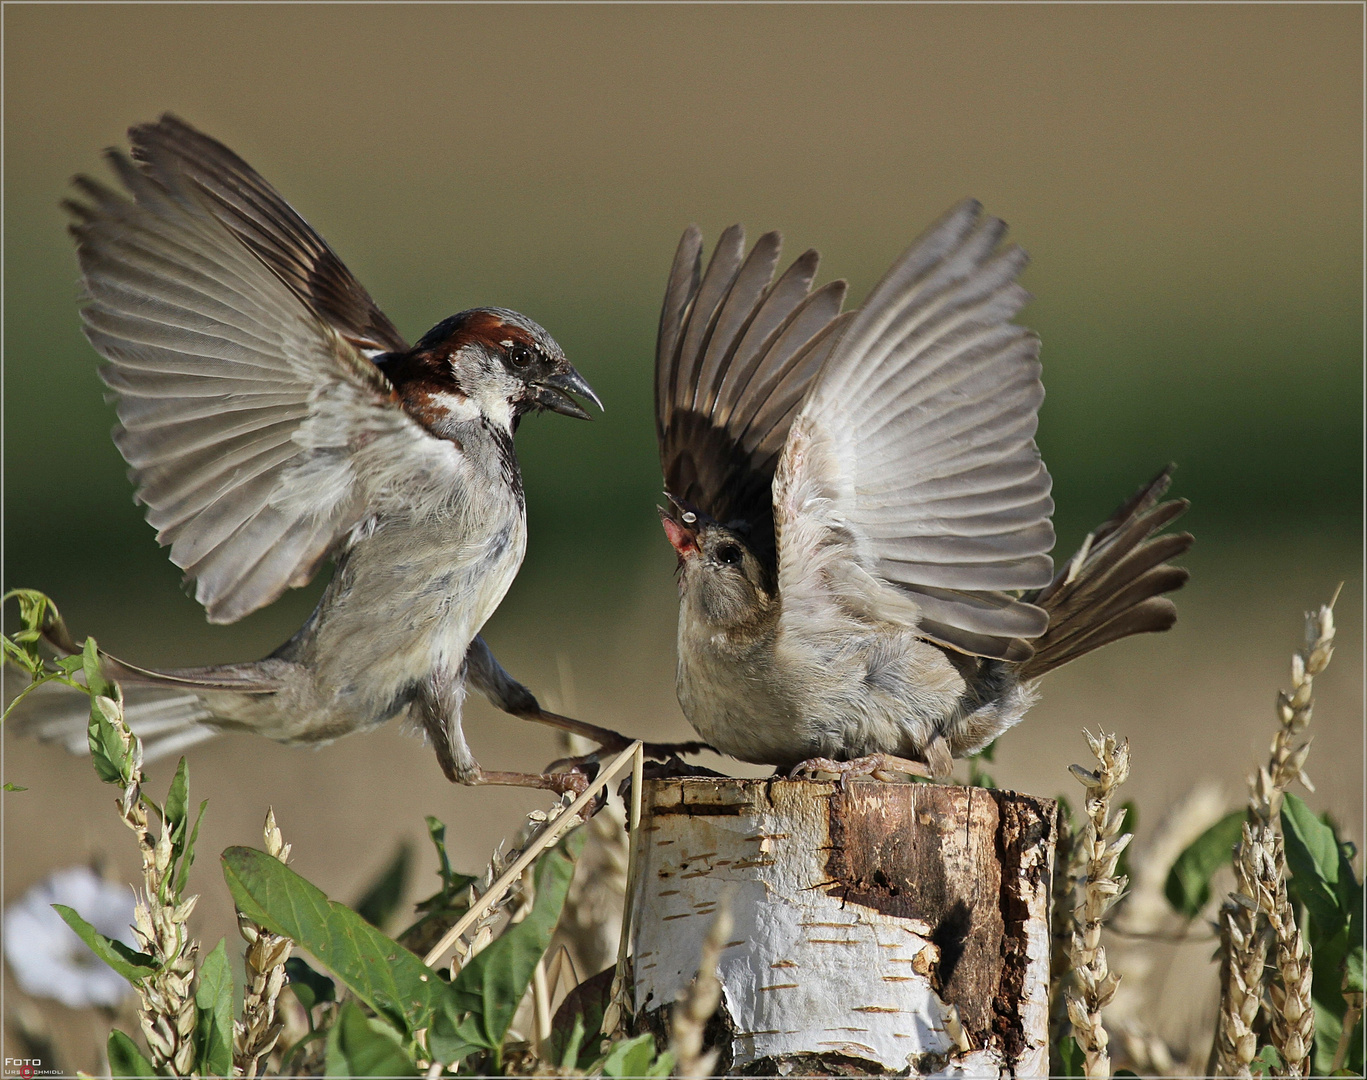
[(488, 363), (721, 581)]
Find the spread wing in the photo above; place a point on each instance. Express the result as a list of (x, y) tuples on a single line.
[(735, 353), (233, 336), (912, 479)]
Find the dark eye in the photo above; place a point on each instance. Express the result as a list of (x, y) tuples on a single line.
[(521, 355), (729, 554)]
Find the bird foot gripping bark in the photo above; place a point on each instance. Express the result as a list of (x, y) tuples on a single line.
[(885, 767)]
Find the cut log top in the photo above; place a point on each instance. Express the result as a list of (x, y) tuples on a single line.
[(877, 928)]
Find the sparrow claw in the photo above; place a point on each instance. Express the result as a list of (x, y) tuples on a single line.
[(884, 767)]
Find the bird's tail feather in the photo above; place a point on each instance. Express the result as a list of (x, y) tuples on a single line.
[(1113, 587), (166, 720)]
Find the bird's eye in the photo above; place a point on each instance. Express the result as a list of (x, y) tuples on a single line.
[(729, 554), (521, 355)]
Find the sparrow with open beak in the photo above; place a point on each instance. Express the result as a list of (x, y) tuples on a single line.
[(861, 515), (272, 418)]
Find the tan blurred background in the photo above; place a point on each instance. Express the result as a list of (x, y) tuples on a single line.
[(1187, 179)]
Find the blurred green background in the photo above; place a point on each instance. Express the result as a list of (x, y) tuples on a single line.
[(1187, 179)]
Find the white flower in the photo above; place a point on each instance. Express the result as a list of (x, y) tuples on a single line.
[(46, 956)]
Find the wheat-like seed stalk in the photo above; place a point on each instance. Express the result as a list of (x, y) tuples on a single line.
[(255, 1035), (166, 1002), (1101, 888), (1253, 919), (481, 932), (698, 1002), (1244, 943), (1293, 1014), (1286, 762)]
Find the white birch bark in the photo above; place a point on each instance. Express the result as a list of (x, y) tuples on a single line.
[(878, 929)]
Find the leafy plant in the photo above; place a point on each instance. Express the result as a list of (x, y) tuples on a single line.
[(1324, 882), (1188, 884)]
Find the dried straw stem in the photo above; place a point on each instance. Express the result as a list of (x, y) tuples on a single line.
[(166, 1004), (591, 922), (255, 1035), (1351, 1016), (558, 822), (618, 1013), (697, 1004), (1101, 847)]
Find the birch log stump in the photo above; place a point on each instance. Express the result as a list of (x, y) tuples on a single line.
[(885, 928)]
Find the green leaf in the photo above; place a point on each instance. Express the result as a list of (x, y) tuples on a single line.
[(383, 895), (1071, 1058), (581, 1011), (1267, 1062), (126, 1060), (436, 829), (112, 759), (1130, 820), (360, 1046), (377, 969), (1312, 856), (1188, 884), (454, 1037), (187, 853), (570, 1045), (176, 807), (132, 965), (95, 681), (309, 986), (1353, 970), (492, 984), (214, 1008), (631, 1057), (1065, 814), (14, 787)]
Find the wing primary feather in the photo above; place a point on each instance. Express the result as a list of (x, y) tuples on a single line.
[(684, 276), (716, 282), (742, 300)]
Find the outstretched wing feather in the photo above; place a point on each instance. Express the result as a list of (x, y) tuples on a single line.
[(921, 430), (235, 366), (267, 225), (735, 352)]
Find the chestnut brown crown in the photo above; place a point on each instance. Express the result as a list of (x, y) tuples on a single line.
[(485, 362)]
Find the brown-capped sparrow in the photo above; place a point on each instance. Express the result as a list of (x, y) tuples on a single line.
[(860, 512), (274, 418)]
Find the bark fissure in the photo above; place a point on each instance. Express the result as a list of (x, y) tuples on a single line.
[(882, 928)]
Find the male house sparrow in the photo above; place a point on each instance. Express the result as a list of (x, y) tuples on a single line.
[(273, 417), (856, 498)]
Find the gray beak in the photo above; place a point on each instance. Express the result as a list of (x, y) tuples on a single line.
[(553, 392)]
